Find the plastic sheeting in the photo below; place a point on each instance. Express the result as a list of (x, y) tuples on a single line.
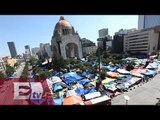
[(112, 74), (123, 71), (84, 81)]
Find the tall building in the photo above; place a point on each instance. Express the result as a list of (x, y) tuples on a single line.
[(27, 51), (147, 21), (88, 47), (48, 50), (65, 41), (35, 50), (118, 39), (45, 50), (105, 42), (103, 32), (12, 49), (145, 41)]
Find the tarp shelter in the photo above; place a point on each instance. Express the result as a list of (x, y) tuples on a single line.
[(104, 99), (123, 71), (57, 87), (92, 95), (56, 74), (72, 74), (53, 80), (137, 75), (84, 81), (70, 93), (70, 79), (72, 100), (79, 91), (112, 74), (141, 71), (110, 67), (58, 101), (150, 73), (152, 66), (107, 80)]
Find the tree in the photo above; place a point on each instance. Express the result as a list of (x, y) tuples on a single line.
[(16, 64), (9, 70), (2, 75), (33, 60), (25, 72), (58, 62)]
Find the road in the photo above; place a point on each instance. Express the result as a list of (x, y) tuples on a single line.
[(19, 70), (144, 94)]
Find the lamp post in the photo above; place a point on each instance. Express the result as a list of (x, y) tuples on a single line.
[(127, 98)]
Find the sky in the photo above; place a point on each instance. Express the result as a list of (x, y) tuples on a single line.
[(35, 29)]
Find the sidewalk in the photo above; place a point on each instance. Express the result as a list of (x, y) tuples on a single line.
[(144, 94)]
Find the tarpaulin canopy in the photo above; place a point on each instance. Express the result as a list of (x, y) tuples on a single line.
[(87, 91), (120, 76), (152, 66), (56, 74), (84, 74), (79, 91), (70, 79), (57, 87), (150, 72), (137, 74), (110, 67), (71, 93), (107, 80), (84, 81), (72, 100), (141, 71), (58, 101), (112, 74), (72, 74), (53, 80), (123, 71)]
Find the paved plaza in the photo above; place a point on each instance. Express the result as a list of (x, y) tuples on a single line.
[(142, 94)]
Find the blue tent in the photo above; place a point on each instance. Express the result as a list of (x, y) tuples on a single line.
[(79, 91), (84, 74), (56, 74), (84, 81), (73, 75), (58, 101), (70, 79), (87, 91), (57, 87)]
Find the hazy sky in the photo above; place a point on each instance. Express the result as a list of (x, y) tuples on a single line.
[(35, 29)]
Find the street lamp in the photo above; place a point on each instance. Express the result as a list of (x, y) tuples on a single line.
[(127, 98)]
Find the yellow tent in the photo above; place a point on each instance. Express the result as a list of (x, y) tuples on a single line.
[(107, 80)]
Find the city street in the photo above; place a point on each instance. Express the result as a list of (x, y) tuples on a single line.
[(19, 70), (145, 94)]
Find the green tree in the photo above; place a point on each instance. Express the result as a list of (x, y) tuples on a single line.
[(25, 72), (2, 75), (9, 70), (58, 62), (16, 64), (33, 60)]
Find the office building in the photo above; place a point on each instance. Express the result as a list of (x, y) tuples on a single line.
[(147, 21), (12, 49)]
